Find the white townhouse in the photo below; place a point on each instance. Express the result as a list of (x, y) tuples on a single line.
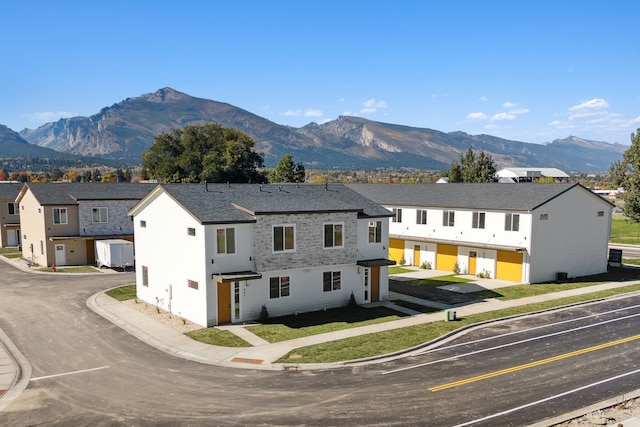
[(217, 253), (521, 233)]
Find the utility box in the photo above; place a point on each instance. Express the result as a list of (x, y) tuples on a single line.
[(449, 315), (114, 253)]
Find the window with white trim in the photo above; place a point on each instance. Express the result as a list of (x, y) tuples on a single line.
[(13, 208), (192, 284), (331, 281), (279, 287), (448, 218), (284, 238), (60, 216), (333, 235), (99, 215), (478, 220), (226, 240), (511, 222), (397, 215), (375, 231), (421, 216)]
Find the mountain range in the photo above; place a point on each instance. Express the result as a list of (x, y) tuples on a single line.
[(123, 131)]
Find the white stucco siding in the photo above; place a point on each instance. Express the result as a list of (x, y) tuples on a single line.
[(372, 250), (305, 293), (172, 257), (572, 238), (243, 259)]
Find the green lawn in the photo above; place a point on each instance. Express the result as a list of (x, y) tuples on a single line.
[(81, 269), (213, 336), (441, 280), (122, 293), (398, 270), (416, 307), (318, 322), (10, 251), (625, 231)]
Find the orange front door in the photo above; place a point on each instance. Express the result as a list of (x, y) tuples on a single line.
[(375, 284), (416, 255), (472, 262), (224, 303)]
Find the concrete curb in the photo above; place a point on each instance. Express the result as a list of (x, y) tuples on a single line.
[(22, 371)]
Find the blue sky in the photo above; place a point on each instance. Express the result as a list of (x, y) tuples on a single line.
[(532, 71)]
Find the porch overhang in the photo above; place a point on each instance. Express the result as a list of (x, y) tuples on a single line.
[(378, 262), (61, 238), (11, 225), (236, 276), (460, 243)]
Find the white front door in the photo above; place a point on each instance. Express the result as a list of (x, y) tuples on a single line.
[(61, 254), (13, 237)]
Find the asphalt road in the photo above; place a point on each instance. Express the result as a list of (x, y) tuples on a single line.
[(86, 371), (628, 251)]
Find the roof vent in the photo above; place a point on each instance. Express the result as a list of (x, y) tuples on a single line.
[(279, 187), (326, 186), (260, 187), (206, 186)]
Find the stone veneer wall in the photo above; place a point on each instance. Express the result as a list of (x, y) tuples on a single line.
[(119, 222)]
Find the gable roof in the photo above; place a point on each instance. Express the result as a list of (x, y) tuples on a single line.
[(525, 172), (220, 203), (523, 197), (9, 191), (70, 193)]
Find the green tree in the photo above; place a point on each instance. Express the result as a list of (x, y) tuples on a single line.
[(287, 171), (626, 174), (472, 167), (206, 152)]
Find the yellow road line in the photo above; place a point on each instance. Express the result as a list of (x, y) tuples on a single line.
[(533, 364)]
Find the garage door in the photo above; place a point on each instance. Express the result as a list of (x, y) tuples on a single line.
[(509, 266), (446, 257), (396, 250)]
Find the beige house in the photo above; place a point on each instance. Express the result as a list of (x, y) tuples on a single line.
[(9, 215), (60, 222)]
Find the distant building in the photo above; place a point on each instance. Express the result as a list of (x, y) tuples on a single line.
[(532, 174)]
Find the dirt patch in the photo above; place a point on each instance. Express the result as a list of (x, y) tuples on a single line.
[(171, 320), (609, 416)]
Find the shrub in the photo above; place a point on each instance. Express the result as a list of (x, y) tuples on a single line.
[(352, 301), (456, 268), (264, 314), (403, 261)]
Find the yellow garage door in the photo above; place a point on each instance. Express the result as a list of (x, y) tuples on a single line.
[(446, 257), (509, 266), (396, 250)]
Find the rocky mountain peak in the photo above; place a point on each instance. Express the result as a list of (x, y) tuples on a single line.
[(166, 94)]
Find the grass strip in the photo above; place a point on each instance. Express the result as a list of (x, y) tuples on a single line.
[(5, 251), (70, 270), (122, 293), (400, 339), (398, 270), (415, 307), (213, 336)]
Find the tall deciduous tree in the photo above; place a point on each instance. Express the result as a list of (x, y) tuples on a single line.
[(472, 168), (626, 174), (207, 152), (288, 171)]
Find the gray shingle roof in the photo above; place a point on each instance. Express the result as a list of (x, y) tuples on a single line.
[(522, 197), (70, 193), (239, 202), (9, 191)]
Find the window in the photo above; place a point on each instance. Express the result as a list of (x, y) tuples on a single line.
[(333, 235), (448, 218), (512, 222), (100, 215), (60, 215), (283, 238), (375, 231), (192, 284), (226, 240), (145, 275), (13, 209), (544, 217), (278, 287), (421, 216), (600, 213), (478, 220), (331, 281), (191, 231), (397, 215), (143, 223), (41, 247)]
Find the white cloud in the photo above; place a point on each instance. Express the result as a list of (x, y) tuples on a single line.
[(293, 113), (595, 103), (509, 105), (368, 110), (483, 99), (372, 103), (48, 116), (477, 116), (310, 112), (502, 116), (519, 111)]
